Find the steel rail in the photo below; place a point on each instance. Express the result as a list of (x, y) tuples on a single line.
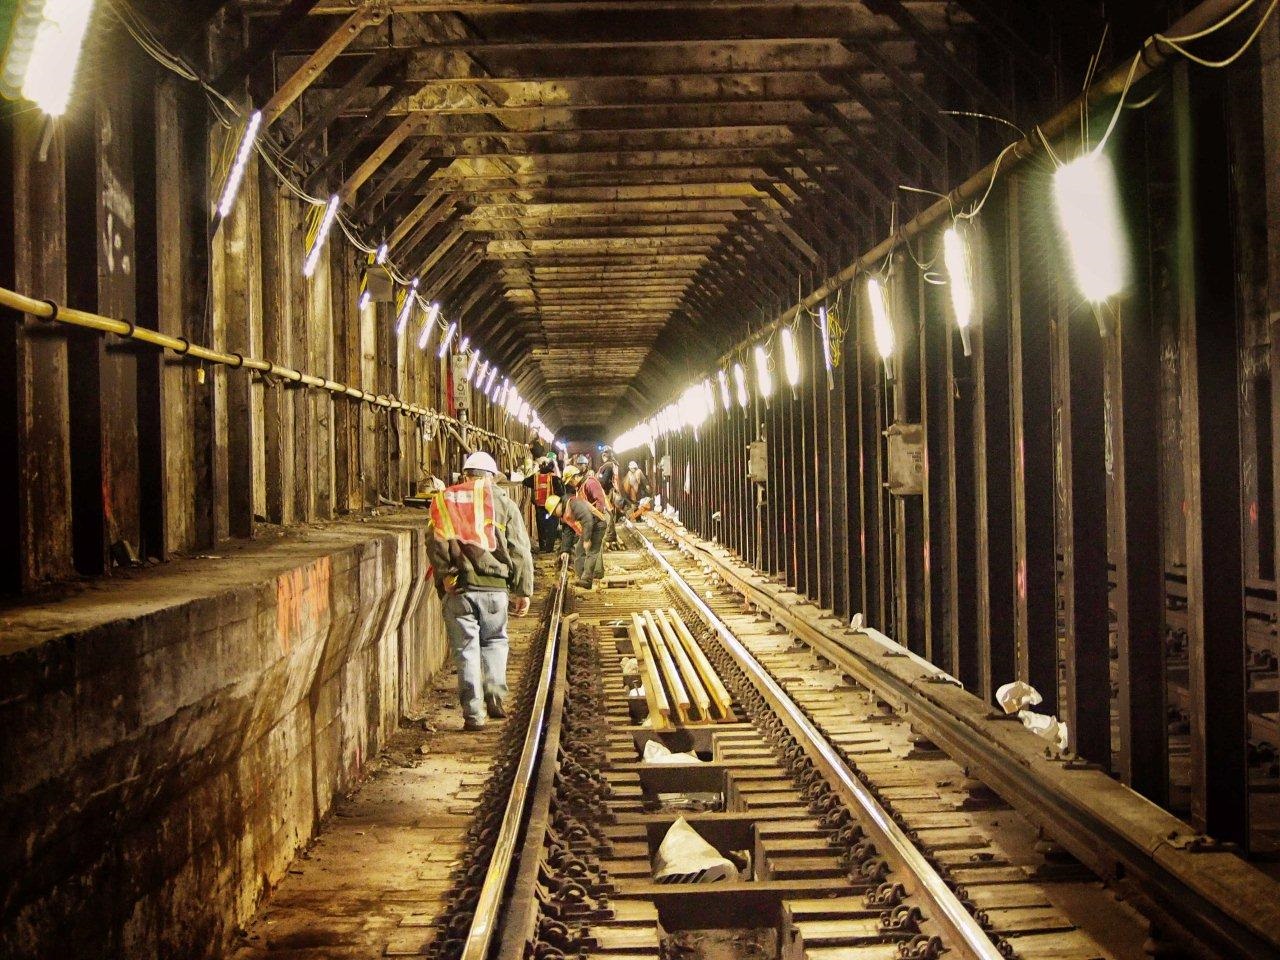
[(912, 868), (52, 312), (489, 907), (1180, 878)]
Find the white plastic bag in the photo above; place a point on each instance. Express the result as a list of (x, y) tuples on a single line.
[(656, 752), (1016, 696), (1050, 728), (684, 857)]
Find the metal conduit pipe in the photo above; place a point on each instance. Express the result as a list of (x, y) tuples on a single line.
[(1154, 54), (52, 312)]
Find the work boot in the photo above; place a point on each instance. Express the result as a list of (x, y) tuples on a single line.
[(493, 703), (471, 724)]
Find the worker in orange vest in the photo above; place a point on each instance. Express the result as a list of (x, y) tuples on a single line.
[(545, 483)]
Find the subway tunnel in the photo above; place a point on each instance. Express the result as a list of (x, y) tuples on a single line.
[(923, 354)]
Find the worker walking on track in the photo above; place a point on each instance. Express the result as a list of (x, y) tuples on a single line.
[(544, 483), (479, 552), (610, 475)]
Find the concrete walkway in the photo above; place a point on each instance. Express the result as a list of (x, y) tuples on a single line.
[(377, 875)]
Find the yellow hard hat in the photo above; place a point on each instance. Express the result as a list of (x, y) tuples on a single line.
[(570, 472), (552, 504)]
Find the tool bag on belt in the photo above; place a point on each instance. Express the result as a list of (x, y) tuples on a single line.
[(464, 520)]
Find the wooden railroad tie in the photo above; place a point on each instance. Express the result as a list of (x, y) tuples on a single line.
[(680, 685)]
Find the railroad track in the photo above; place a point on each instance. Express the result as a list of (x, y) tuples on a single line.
[(854, 836)]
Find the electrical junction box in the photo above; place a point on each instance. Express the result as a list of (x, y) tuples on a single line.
[(461, 389), (906, 459), (378, 284), (758, 461)]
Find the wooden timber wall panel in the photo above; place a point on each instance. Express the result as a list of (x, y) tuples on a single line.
[(120, 453), (1094, 518)]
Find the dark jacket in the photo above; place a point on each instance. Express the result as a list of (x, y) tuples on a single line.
[(608, 475)]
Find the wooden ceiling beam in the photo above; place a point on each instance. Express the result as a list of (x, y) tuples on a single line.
[(340, 99), (338, 154), (310, 69)]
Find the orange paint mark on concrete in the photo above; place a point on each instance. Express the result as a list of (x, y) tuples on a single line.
[(302, 595)]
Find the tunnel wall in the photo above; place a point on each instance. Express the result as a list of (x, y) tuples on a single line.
[(169, 742)]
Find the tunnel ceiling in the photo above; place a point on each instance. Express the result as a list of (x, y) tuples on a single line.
[(609, 193)]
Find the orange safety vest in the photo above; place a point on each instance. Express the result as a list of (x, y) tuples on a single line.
[(542, 488)]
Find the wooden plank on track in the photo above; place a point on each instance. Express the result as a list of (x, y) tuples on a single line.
[(697, 691), (720, 696), (677, 695), (655, 695)]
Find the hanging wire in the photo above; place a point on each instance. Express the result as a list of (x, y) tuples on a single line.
[(1176, 42)]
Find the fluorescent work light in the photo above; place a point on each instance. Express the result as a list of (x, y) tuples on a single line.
[(764, 379), (236, 176), (740, 381), (43, 50), (791, 355), (410, 298), (1089, 213), (317, 245), (428, 324), (882, 324), (448, 339), (955, 253)]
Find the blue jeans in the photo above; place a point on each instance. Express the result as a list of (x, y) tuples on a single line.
[(476, 624)]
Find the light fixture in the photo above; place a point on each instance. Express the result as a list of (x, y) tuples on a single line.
[(424, 336), (791, 355), (366, 298), (824, 322), (882, 323), (1089, 213), (44, 51), (410, 298), (322, 234), (236, 176), (448, 338), (764, 379), (955, 254), (463, 344), (740, 381), (493, 376), (471, 367), (381, 256), (693, 407), (724, 390), (708, 396)]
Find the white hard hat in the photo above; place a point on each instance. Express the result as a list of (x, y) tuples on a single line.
[(480, 461), (633, 465)]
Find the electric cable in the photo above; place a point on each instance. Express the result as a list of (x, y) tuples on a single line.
[(1175, 43), (142, 34)]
